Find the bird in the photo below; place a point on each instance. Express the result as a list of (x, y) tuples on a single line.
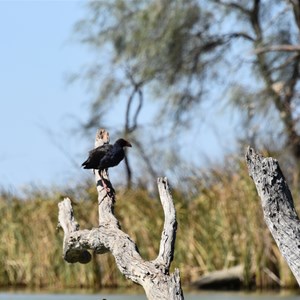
[(106, 156)]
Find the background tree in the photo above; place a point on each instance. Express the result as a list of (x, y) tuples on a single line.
[(178, 55)]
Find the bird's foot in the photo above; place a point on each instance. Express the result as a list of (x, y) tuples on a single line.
[(105, 186)]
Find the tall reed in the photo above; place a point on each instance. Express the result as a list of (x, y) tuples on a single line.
[(220, 224)]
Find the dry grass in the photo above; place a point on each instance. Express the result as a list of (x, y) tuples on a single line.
[(220, 225)]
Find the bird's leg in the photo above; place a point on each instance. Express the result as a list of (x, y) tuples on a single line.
[(103, 182)]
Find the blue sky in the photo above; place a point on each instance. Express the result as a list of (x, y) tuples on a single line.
[(37, 53), (38, 107)]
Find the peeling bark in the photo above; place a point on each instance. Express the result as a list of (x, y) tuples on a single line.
[(278, 207), (154, 275)]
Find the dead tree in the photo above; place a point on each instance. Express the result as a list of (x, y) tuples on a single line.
[(278, 207), (153, 275)]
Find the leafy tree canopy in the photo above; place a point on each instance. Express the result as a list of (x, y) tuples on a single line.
[(184, 52)]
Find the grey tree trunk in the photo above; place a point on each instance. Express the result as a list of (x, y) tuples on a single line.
[(154, 275), (278, 207)]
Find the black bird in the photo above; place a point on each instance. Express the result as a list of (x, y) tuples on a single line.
[(106, 156)]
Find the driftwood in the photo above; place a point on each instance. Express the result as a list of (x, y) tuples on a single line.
[(154, 275), (278, 207), (226, 279)]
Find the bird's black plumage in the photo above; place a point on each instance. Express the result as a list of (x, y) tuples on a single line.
[(106, 156)]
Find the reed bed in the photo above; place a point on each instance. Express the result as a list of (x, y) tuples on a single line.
[(220, 224)]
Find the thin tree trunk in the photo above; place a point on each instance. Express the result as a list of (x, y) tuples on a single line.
[(278, 207), (154, 275)]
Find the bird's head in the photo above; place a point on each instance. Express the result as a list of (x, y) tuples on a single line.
[(123, 143)]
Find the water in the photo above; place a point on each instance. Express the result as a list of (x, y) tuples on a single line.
[(188, 296)]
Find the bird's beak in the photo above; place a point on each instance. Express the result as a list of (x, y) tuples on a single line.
[(128, 144)]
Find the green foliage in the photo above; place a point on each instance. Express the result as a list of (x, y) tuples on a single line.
[(219, 226), (160, 43), (184, 53)]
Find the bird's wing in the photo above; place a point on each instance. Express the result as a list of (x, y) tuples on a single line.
[(100, 151), (95, 156), (112, 157)]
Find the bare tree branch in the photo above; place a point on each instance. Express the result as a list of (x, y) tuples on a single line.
[(296, 10), (129, 128), (168, 236), (278, 48), (137, 89), (234, 5), (241, 34), (152, 275), (278, 207)]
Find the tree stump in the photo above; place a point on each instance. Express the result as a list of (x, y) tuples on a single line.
[(154, 275), (278, 207)]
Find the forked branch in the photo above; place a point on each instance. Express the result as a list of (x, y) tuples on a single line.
[(152, 275)]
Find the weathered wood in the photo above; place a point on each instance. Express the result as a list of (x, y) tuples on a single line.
[(152, 275), (168, 236), (229, 279), (278, 207)]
